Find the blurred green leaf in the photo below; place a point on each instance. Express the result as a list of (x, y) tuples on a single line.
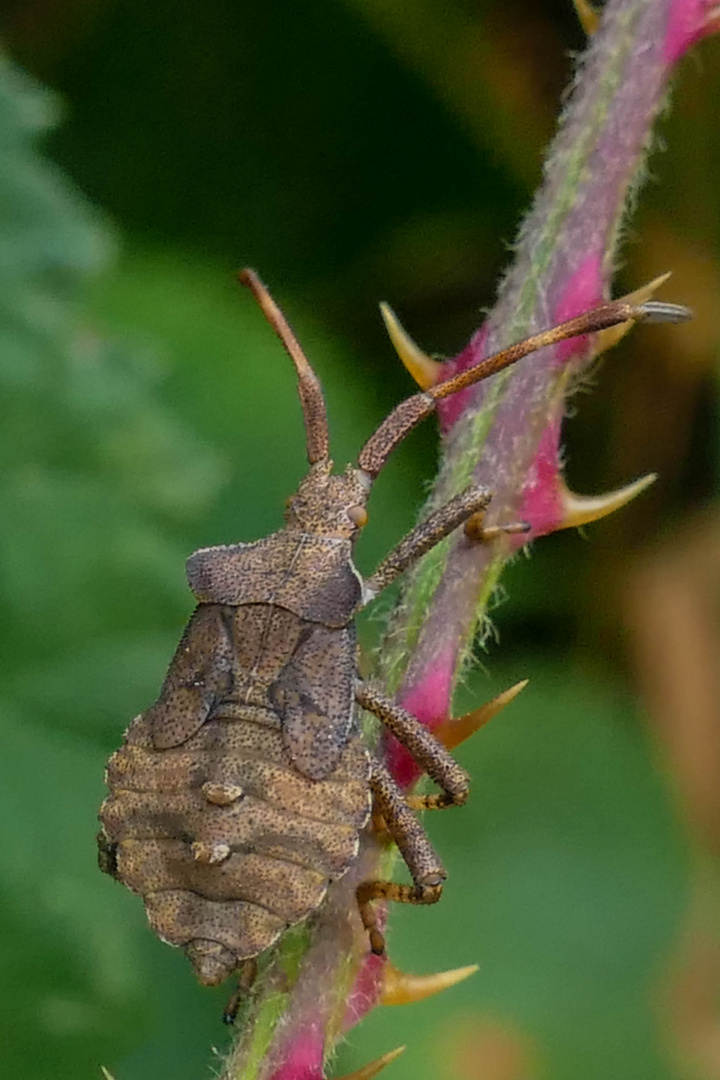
[(96, 482)]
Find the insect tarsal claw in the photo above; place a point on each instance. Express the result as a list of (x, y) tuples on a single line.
[(475, 529), (367, 1072), (582, 509), (399, 988), (456, 730), (424, 370)]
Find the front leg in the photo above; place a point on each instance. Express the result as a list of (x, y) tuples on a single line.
[(425, 536), (424, 747)]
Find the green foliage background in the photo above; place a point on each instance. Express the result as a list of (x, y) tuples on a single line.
[(145, 409)]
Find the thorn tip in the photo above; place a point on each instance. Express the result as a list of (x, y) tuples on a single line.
[(588, 16), (582, 509), (367, 1072), (399, 988), (456, 730), (424, 370)]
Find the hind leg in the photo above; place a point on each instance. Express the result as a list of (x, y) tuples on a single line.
[(422, 861), (246, 974)]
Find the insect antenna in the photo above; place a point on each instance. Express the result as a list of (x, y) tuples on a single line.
[(410, 412), (311, 395)]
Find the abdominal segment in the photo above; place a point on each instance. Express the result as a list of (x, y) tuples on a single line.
[(227, 842)]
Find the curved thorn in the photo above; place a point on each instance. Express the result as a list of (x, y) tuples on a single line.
[(424, 370), (582, 509), (401, 989), (588, 15), (456, 730), (367, 1072)]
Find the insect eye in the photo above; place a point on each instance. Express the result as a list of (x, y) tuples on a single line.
[(358, 515)]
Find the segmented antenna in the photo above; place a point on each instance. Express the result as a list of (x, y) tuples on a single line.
[(410, 412), (317, 437)]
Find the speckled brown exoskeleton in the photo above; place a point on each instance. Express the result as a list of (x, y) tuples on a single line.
[(240, 795)]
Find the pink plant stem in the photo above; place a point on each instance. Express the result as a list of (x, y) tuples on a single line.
[(510, 427)]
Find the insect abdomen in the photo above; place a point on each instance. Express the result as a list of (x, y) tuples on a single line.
[(226, 841)]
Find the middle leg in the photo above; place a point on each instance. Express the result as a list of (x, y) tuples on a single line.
[(430, 754)]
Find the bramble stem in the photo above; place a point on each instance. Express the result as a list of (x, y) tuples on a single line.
[(320, 979)]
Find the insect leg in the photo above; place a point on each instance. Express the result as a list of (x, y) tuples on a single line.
[(430, 754), (427, 534), (423, 862), (477, 530), (247, 972)]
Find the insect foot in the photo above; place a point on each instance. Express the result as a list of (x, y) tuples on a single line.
[(241, 794)]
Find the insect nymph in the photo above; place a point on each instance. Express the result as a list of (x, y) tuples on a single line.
[(240, 795)]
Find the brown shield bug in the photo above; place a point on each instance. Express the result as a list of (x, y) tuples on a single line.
[(240, 795)]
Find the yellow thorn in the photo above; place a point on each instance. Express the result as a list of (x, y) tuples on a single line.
[(373, 1067), (401, 989), (582, 509), (645, 292), (454, 731), (106, 1074), (424, 370), (588, 16), (605, 339)]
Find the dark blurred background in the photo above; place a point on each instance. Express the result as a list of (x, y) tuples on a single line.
[(352, 151)]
